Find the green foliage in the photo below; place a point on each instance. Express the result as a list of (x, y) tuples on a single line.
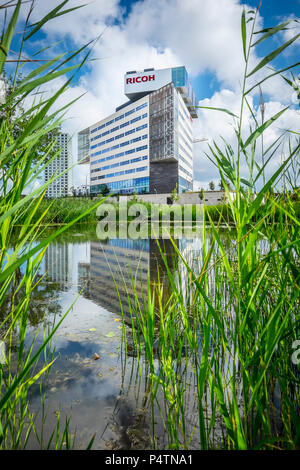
[(201, 194), (64, 210), (17, 119), (231, 318), (19, 151), (104, 190), (174, 195), (134, 196)]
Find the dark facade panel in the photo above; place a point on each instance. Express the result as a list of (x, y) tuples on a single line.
[(163, 176)]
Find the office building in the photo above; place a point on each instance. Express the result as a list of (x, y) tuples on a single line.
[(147, 144)]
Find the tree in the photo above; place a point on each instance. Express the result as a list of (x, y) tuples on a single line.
[(18, 120), (134, 198), (174, 194), (201, 194), (104, 190), (211, 185), (222, 187)]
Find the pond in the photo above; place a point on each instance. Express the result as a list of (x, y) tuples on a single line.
[(93, 380)]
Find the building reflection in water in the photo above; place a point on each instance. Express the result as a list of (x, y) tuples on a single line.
[(58, 262), (104, 271)]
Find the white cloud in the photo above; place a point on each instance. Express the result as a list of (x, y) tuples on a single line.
[(292, 29), (202, 35), (214, 124)]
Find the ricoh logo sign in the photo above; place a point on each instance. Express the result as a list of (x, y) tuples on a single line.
[(144, 78), (141, 82)]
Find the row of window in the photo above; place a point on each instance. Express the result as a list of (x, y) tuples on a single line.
[(183, 130), (136, 183), (184, 150), (187, 143), (184, 110), (185, 161), (184, 184), (100, 152), (117, 155), (126, 162), (120, 173), (139, 128), (122, 144), (181, 115), (119, 117), (185, 171), (139, 244)]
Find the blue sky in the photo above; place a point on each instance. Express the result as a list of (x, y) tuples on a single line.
[(204, 36)]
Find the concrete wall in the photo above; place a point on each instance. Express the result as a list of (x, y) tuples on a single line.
[(211, 198)]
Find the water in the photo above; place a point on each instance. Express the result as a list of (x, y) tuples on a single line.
[(104, 394)]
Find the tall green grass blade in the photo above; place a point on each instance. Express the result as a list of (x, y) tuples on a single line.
[(52, 14), (223, 110), (8, 35), (259, 131), (244, 33), (273, 55), (270, 32)]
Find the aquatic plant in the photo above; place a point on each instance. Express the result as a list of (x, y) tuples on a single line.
[(225, 337), (21, 162)]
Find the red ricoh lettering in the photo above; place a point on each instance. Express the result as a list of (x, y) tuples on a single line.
[(144, 78)]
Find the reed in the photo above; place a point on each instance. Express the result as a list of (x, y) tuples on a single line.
[(21, 162), (224, 336)]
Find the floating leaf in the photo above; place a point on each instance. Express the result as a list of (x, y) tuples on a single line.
[(111, 334), (92, 329), (100, 375), (117, 319)]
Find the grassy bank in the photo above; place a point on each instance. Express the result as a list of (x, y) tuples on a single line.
[(64, 210)]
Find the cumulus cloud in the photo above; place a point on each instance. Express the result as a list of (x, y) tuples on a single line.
[(203, 36), (220, 129)]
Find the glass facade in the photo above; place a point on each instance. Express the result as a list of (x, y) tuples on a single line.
[(83, 143), (119, 117), (140, 185), (181, 80), (112, 137), (184, 185), (120, 173)]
